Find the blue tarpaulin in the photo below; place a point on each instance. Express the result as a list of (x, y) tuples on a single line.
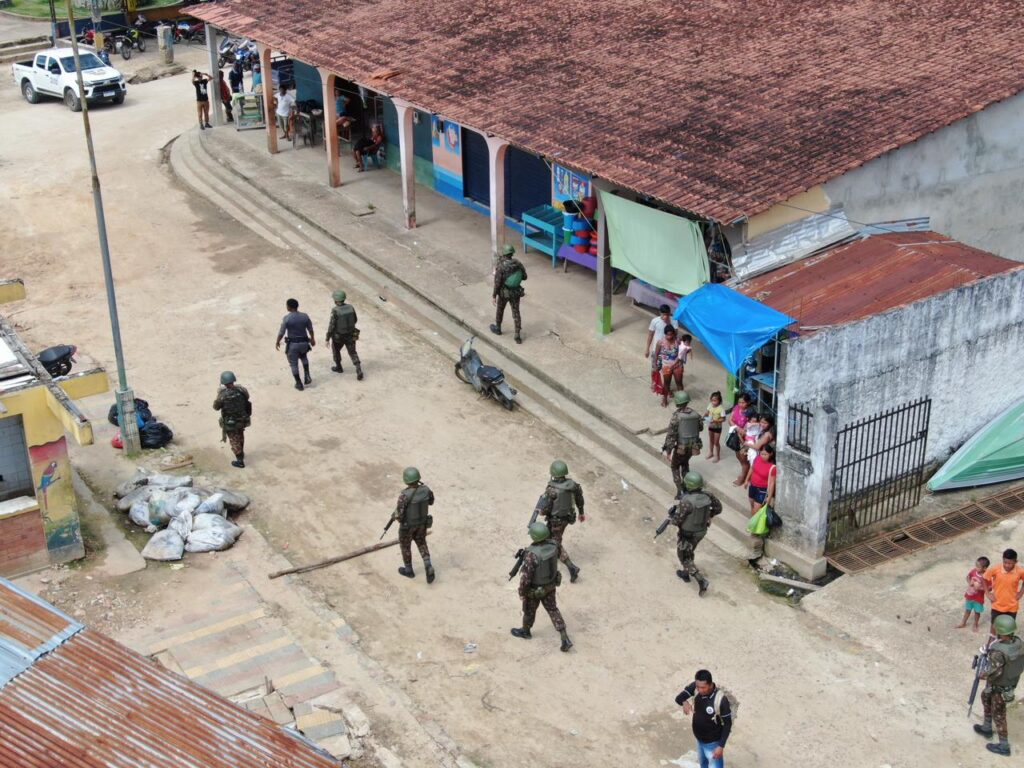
[(731, 325)]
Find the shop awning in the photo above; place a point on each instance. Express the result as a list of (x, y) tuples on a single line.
[(728, 323), (660, 248)]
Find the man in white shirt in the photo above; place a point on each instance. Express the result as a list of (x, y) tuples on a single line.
[(285, 101), (656, 332)]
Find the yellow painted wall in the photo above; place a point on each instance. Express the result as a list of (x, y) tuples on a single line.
[(813, 200)]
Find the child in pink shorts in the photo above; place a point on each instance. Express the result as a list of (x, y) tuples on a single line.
[(974, 597)]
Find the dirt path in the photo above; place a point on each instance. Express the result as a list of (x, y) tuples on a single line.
[(199, 294)]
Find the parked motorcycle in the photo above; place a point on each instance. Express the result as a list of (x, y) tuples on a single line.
[(190, 32), (134, 37), (485, 379), (58, 360), (116, 42)]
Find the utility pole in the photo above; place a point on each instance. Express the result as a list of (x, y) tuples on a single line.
[(53, 25), (97, 23), (125, 396)]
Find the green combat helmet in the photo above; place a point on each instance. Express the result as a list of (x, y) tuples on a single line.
[(1004, 625), (227, 378), (339, 296), (681, 397), (539, 532), (410, 475), (693, 481), (508, 250), (559, 469)]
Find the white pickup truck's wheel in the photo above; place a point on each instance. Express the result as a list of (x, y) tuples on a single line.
[(29, 93), (72, 101)]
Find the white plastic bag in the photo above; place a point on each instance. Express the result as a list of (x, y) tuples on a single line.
[(212, 506), (139, 514), (165, 545), (181, 525), (124, 504), (212, 532), (139, 478), (170, 481), (162, 505), (187, 502), (233, 501)]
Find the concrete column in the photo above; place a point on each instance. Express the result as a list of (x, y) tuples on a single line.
[(604, 268), (331, 129), (216, 109), (405, 152), (268, 97), (496, 151)]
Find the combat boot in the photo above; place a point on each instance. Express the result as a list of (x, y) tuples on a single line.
[(359, 373), (703, 584), (984, 729), (566, 642), (496, 329), (238, 463), (407, 571), (1002, 748), (337, 368), (523, 633), (430, 572), (683, 575), (308, 379), (298, 383), (574, 573), (519, 338)]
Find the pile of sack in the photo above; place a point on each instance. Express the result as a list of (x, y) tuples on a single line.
[(152, 433), (181, 517)]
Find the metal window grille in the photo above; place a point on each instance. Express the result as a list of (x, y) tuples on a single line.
[(799, 421)]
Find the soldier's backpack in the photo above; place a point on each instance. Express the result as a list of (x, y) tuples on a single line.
[(734, 704), (515, 279)]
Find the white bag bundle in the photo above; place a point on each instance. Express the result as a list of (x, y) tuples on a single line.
[(124, 504), (170, 481), (212, 532), (165, 545), (187, 502), (214, 505), (182, 525)]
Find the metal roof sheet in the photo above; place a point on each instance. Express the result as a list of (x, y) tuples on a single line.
[(89, 702), (791, 242), (863, 278), (722, 108), (29, 627)]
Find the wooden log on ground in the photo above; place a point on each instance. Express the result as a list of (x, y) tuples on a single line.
[(338, 559), (790, 582)]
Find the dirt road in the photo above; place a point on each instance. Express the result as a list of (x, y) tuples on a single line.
[(200, 294)]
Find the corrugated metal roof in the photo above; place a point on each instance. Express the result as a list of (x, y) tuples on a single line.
[(92, 703), (721, 108), (29, 627), (791, 242), (869, 276)]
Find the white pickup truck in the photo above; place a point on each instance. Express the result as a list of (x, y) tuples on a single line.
[(52, 73)]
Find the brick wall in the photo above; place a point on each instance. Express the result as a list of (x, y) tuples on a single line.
[(22, 544)]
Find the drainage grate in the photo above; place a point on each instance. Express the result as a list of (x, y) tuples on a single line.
[(927, 533)]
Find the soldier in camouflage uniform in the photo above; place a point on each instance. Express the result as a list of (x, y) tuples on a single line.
[(342, 332), (235, 415), (504, 293), (538, 582), (692, 515), (682, 438), (558, 505), (413, 522), (1005, 665)]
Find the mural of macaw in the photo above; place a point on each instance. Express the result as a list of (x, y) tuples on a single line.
[(48, 478)]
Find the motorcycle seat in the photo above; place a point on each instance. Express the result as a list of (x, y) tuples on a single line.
[(53, 354), (490, 374)]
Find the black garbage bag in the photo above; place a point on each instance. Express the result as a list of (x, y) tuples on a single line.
[(141, 411), (155, 434)]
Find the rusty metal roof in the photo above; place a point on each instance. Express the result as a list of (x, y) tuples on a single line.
[(89, 702), (29, 627), (871, 275), (722, 108)]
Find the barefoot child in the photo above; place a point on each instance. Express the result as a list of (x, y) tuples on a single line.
[(685, 350), (974, 597), (715, 416)]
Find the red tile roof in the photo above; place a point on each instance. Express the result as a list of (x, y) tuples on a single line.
[(869, 276), (722, 107)]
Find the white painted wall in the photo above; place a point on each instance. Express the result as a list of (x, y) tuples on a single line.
[(968, 177)]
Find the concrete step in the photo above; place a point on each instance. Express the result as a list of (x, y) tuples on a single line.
[(17, 50), (200, 167)]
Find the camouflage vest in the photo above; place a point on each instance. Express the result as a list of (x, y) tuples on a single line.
[(688, 427), (563, 507), (1013, 651), (699, 518), (416, 510), (344, 319), (546, 570), (233, 409)]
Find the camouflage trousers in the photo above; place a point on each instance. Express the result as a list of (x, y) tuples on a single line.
[(557, 528), (548, 601), (500, 313), (349, 343), (681, 462), (995, 709), (406, 536), (685, 546), (237, 442)]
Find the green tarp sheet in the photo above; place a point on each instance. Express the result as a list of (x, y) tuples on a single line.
[(661, 249)]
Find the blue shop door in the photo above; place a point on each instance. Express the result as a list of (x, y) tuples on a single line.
[(476, 167), (422, 143), (527, 182)]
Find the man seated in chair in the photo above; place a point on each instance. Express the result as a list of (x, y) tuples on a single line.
[(368, 147)]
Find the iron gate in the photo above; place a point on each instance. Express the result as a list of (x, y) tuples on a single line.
[(878, 469)]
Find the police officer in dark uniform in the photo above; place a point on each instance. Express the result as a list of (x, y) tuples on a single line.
[(692, 515), (682, 438), (342, 332), (558, 505), (411, 512), (297, 331), (538, 582)]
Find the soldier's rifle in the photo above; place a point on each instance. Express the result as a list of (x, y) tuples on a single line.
[(980, 667), (391, 522), (666, 523), (520, 556), (537, 509)]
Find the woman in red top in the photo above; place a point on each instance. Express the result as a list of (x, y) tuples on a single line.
[(760, 479)]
